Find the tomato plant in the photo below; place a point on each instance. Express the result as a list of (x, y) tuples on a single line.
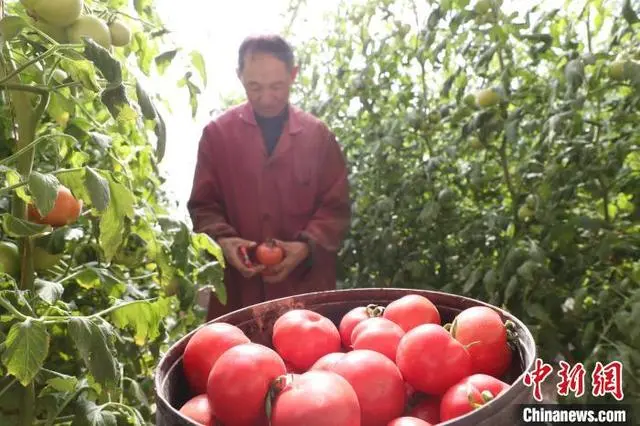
[(81, 140)]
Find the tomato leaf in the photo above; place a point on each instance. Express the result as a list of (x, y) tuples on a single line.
[(11, 26), (27, 346), (161, 134), (102, 59), (112, 221), (18, 228), (197, 60), (89, 414), (164, 59), (61, 383), (44, 188), (75, 181), (202, 241), (95, 346), (144, 317), (14, 178), (49, 291), (211, 274), (146, 104), (98, 188)]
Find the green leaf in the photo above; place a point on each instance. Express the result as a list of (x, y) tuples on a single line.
[(83, 72), (164, 59), (143, 317), (98, 188), (14, 178), (49, 291), (112, 221), (95, 346), (102, 59), (11, 26), (197, 60), (202, 241), (161, 134), (44, 188), (537, 311), (473, 279), (76, 182), (27, 346), (60, 384), (146, 104), (211, 275), (18, 228), (89, 414)]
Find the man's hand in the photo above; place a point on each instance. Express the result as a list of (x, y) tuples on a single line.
[(295, 252), (232, 249)]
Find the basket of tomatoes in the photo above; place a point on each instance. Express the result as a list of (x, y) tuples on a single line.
[(358, 357)]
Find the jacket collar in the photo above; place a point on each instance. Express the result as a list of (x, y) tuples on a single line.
[(294, 122)]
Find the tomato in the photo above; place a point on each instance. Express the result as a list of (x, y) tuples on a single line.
[(120, 33), (427, 409), (411, 311), (327, 361), (10, 258), (316, 398), (352, 318), (198, 410), (378, 384), (301, 337), (239, 382), (90, 26), (470, 393), (484, 334), (431, 360), (66, 210), (377, 334), (408, 421), (269, 254), (203, 350)]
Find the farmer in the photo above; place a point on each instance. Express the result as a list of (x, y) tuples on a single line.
[(268, 170)]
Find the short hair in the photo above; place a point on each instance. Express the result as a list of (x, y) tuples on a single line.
[(268, 43)]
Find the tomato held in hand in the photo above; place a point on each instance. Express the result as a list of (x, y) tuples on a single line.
[(352, 318), (470, 393), (315, 398), (301, 337), (377, 334), (204, 348), (408, 421), (431, 360), (269, 254), (411, 311), (239, 382), (482, 331), (199, 410), (66, 210), (378, 384)]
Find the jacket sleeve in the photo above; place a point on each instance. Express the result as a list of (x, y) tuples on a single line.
[(206, 203), (330, 222)]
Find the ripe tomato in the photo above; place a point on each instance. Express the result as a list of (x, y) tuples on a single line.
[(352, 318), (316, 398), (408, 421), (431, 360), (484, 334), (411, 311), (302, 336), (470, 393), (239, 382), (198, 410), (269, 254), (427, 409), (377, 334), (327, 361), (203, 350), (66, 210), (378, 384)]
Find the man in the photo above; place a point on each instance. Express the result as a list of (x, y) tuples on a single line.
[(267, 170)]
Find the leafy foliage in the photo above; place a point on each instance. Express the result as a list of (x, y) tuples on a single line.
[(95, 302), (494, 155)]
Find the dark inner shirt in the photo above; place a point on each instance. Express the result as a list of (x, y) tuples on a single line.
[(272, 128)]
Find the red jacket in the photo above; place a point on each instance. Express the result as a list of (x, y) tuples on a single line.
[(300, 191)]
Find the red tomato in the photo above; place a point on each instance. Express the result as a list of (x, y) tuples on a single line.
[(66, 210), (351, 319), (484, 334), (411, 311), (378, 384), (269, 254), (327, 361), (239, 382), (470, 393), (408, 421), (302, 336), (427, 409), (431, 360), (316, 398), (378, 334), (203, 350), (198, 410)]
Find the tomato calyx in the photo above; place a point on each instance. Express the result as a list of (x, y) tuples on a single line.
[(278, 384), (486, 396), (374, 310), (512, 335)]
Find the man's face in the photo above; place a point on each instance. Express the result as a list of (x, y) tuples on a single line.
[(267, 82)]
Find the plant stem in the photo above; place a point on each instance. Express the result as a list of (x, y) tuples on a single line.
[(27, 64), (55, 320), (27, 405), (25, 149), (9, 307), (6, 388)]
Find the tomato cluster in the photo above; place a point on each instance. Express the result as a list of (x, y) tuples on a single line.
[(379, 366)]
